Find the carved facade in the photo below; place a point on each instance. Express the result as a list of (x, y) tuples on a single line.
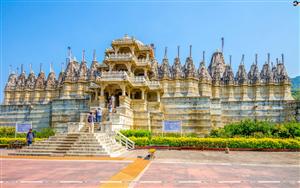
[(147, 93)]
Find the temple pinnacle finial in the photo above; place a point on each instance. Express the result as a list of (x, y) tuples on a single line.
[(94, 55), (30, 67), (83, 55), (69, 53), (203, 56), (282, 58), (51, 67), (22, 68), (190, 51), (222, 44), (166, 51), (178, 49), (243, 57), (9, 69), (62, 67), (256, 59), (41, 67), (230, 60), (268, 58)]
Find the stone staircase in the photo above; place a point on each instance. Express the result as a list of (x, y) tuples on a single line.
[(76, 144)]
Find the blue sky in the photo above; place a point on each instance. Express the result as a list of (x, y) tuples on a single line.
[(40, 32)]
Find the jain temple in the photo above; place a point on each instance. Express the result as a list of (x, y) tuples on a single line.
[(147, 92)]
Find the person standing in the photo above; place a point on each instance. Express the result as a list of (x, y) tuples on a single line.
[(91, 122), (30, 137), (98, 115)]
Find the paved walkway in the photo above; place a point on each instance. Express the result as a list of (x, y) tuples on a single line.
[(169, 169)]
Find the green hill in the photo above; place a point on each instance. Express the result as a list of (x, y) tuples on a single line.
[(296, 87), (295, 82)]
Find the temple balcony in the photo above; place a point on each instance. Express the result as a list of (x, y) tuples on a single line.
[(113, 76), (143, 62), (139, 81), (154, 85), (120, 57)]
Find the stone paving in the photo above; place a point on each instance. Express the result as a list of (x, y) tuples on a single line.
[(170, 168)]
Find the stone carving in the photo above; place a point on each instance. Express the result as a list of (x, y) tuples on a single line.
[(154, 69), (217, 65), (177, 69), (164, 70), (189, 68), (40, 81), (266, 74), (241, 75), (71, 71), (51, 82), (203, 73), (228, 77), (253, 74), (61, 78), (30, 81), (281, 73), (83, 71), (12, 81), (93, 73)]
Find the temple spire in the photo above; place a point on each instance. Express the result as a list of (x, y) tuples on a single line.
[(243, 57), (69, 53), (51, 67), (94, 55), (178, 49), (41, 67), (166, 51), (190, 51), (222, 48), (62, 67), (83, 55), (30, 68), (22, 68), (256, 59)]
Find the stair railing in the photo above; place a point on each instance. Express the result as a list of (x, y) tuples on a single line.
[(123, 140)]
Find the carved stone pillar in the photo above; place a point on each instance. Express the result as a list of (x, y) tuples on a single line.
[(158, 96)]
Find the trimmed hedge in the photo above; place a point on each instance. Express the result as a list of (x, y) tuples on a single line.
[(11, 140), (258, 143), (258, 129), (9, 132), (136, 133)]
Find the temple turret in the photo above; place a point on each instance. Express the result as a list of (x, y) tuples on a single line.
[(83, 69), (94, 66), (253, 74), (41, 79), (164, 70), (31, 79), (241, 75), (216, 67), (228, 76), (189, 67), (266, 74), (176, 68)]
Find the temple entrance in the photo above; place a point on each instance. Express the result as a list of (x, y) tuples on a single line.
[(112, 93)]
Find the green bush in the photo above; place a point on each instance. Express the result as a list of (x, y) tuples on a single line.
[(11, 140), (257, 129), (9, 132), (136, 133), (258, 143)]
